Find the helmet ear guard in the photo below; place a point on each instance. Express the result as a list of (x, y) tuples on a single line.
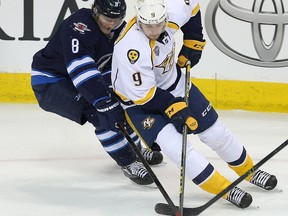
[(109, 8), (151, 11)]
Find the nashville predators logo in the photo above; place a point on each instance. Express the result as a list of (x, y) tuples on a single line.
[(133, 56), (148, 122), (167, 63)]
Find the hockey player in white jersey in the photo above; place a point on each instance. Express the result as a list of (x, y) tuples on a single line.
[(151, 88)]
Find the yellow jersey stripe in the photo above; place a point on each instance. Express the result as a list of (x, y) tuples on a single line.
[(126, 29), (147, 98), (152, 45), (195, 10), (173, 25), (122, 97)]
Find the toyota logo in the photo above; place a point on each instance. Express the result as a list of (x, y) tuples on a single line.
[(267, 52)]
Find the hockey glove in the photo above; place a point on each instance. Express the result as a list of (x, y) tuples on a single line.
[(109, 113), (179, 115), (191, 50)]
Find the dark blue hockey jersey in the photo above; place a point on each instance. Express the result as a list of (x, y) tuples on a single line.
[(78, 51)]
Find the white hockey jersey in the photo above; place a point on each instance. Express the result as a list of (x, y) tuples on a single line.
[(141, 65)]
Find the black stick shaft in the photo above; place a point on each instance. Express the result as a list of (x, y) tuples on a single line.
[(163, 208), (241, 178), (149, 170)]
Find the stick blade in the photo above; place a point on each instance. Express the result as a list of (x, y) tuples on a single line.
[(164, 209)]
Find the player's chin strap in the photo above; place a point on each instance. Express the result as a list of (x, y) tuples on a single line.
[(172, 207)]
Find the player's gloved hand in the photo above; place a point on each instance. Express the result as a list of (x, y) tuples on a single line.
[(179, 114), (109, 113), (192, 51)]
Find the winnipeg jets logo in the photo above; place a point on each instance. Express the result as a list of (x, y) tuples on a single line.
[(148, 122), (81, 27)]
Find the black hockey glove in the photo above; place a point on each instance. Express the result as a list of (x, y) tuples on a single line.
[(179, 115), (109, 113), (191, 50)]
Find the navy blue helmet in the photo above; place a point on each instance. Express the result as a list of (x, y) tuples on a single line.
[(110, 8)]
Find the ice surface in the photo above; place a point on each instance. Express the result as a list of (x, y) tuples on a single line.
[(51, 166)]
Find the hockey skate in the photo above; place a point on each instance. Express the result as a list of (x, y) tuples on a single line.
[(239, 197), (137, 173), (264, 180), (152, 157)]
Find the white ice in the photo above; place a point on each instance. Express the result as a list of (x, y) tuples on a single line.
[(51, 166)]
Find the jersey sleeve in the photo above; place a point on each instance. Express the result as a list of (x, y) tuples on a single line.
[(192, 30), (79, 39), (179, 13)]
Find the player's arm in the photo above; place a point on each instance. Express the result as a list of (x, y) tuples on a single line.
[(90, 83), (88, 80), (193, 42), (174, 108), (141, 89), (156, 100)]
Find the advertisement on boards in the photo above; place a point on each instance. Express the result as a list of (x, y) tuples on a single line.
[(246, 39)]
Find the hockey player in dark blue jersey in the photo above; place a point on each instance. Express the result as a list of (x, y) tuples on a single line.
[(71, 77)]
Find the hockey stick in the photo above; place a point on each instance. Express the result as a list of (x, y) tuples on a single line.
[(163, 208), (184, 142), (173, 209)]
